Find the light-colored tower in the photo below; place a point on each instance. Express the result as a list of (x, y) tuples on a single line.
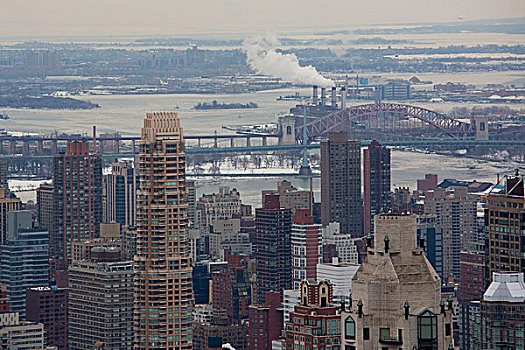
[(396, 294), (163, 284)]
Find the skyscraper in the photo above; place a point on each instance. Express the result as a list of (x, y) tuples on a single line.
[(24, 259), (376, 196), (163, 283), (121, 186), (272, 248), (100, 308), (7, 204), (77, 198), (505, 219), (341, 183), (307, 247), (44, 206), (455, 212)]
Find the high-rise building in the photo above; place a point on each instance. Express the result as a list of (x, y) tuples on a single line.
[(7, 204), (129, 242), (499, 323), (45, 205), (77, 198), (48, 305), (341, 183), (315, 321), (109, 238), (265, 322), (121, 193), (429, 230), (223, 205), (163, 283), (231, 290), (455, 212), (24, 259), (376, 179), (192, 200), (100, 310), (4, 172), (472, 285), (307, 247), (396, 294), (291, 197), (20, 335), (505, 222), (226, 235), (272, 248)]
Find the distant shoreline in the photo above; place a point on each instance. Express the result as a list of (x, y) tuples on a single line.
[(45, 102)]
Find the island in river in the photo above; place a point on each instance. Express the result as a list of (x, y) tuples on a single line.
[(44, 102), (215, 105)]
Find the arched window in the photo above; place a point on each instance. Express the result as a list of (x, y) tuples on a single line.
[(349, 328), (288, 130), (427, 330)]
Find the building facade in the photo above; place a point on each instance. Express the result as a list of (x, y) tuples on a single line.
[(500, 321), (455, 212), (505, 222), (291, 197), (341, 184), (307, 247), (121, 192), (272, 248), (77, 198), (44, 206), (396, 294), (100, 312), (376, 179), (315, 322), (24, 259), (48, 305), (163, 287), (223, 205)]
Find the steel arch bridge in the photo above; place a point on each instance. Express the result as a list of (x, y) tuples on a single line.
[(339, 120)]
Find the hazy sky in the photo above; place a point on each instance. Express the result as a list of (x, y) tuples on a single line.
[(34, 18)]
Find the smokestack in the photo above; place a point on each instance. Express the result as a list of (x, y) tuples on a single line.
[(314, 96), (323, 96), (343, 98), (334, 98)]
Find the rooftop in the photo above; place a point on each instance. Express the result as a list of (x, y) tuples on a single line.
[(506, 287)]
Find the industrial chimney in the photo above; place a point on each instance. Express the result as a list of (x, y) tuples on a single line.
[(343, 98), (314, 96), (334, 98), (323, 96)]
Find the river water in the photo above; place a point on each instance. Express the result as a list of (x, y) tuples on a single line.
[(124, 113)]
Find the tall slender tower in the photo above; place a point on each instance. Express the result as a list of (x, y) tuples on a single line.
[(341, 183), (77, 197), (163, 283), (376, 164)]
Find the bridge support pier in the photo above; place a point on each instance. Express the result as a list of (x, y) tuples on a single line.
[(215, 142), (54, 147), (117, 146), (12, 147), (198, 143), (25, 148), (40, 147), (264, 141), (248, 144), (232, 142), (133, 146)]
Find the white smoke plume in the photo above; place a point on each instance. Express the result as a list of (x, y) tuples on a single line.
[(228, 346), (263, 58)]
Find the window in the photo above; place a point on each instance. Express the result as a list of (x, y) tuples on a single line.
[(447, 329), (384, 333), (349, 328), (427, 330), (366, 333)]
